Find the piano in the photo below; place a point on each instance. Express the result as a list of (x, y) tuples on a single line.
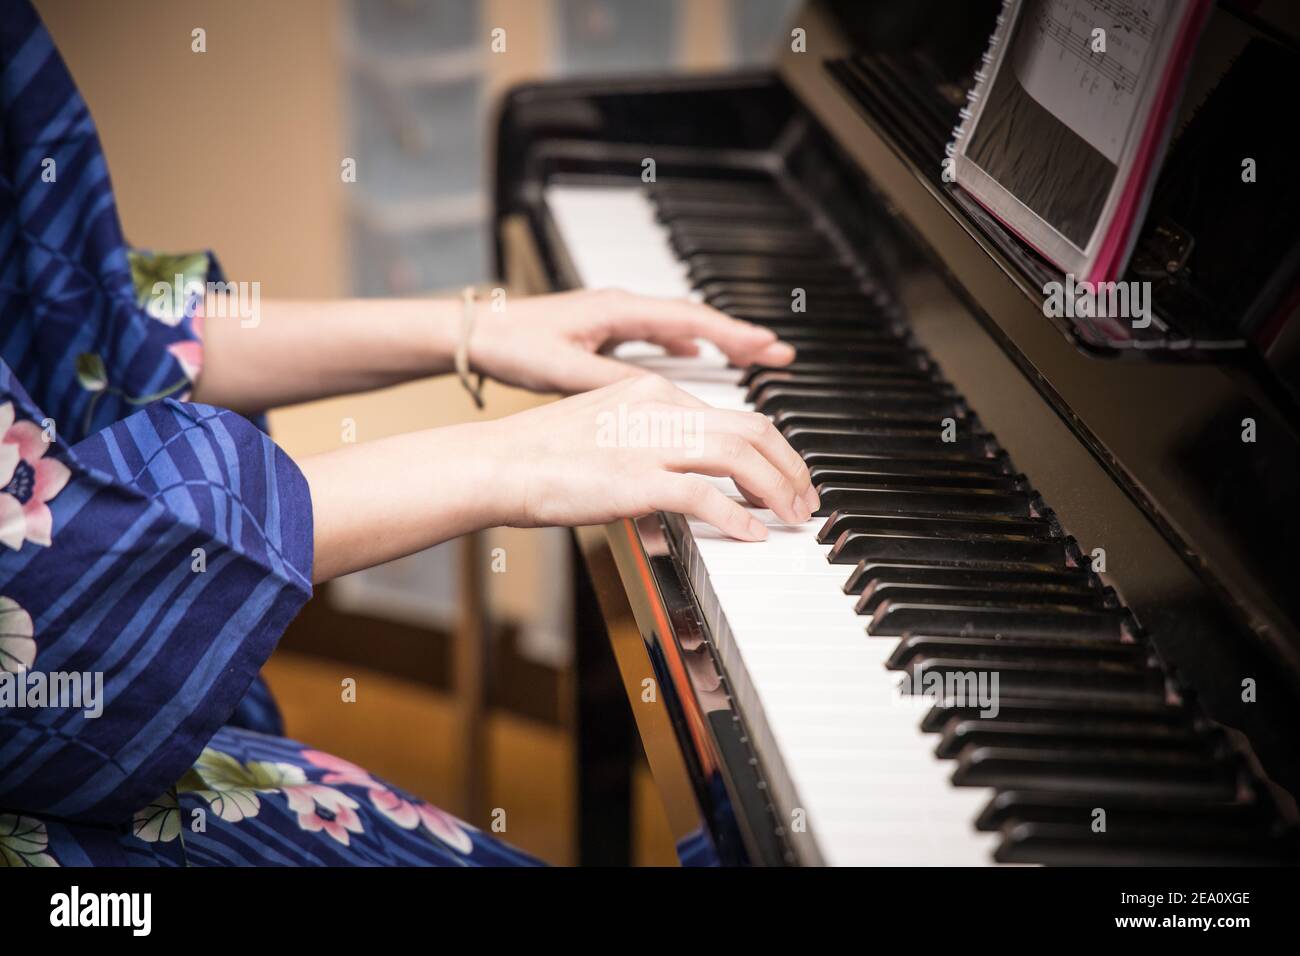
[(1048, 613)]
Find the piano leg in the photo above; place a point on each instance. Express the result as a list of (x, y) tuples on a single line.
[(606, 740)]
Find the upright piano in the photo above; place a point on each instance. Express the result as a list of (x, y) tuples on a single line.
[(1049, 612)]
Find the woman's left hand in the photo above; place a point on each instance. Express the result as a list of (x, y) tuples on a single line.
[(553, 343)]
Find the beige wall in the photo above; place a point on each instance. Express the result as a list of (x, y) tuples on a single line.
[(236, 149)]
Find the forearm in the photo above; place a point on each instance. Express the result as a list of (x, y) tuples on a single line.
[(384, 499), (302, 350)]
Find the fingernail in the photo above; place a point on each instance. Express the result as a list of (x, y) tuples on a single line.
[(757, 529), (812, 500), (778, 353), (799, 505)]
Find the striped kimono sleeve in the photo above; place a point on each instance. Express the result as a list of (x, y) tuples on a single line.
[(162, 556)]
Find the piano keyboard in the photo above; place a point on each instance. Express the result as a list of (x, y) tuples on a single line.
[(933, 559)]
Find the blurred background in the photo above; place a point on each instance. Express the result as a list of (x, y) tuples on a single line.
[(239, 149)]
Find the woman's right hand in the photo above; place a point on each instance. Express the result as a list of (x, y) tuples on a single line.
[(639, 446), (628, 449)]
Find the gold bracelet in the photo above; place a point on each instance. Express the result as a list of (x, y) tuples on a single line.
[(470, 299)]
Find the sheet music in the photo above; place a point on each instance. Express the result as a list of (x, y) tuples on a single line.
[(1095, 94)]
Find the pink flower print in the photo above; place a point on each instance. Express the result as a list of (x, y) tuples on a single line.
[(322, 808), (28, 480), (402, 812), (190, 353), (342, 772), (407, 814), (445, 827)]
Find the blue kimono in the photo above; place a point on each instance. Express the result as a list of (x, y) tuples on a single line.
[(152, 551)]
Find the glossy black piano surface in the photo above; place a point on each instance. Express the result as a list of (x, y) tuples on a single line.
[(1165, 687)]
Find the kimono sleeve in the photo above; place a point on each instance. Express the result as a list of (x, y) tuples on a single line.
[(153, 567)]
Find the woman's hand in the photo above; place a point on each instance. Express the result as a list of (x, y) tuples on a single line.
[(620, 451), (638, 446), (298, 351), (552, 343)]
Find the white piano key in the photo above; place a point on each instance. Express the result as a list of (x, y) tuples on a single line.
[(805, 671)]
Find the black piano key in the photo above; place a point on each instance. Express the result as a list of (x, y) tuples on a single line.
[(732, 186), (882, 350), (916, 398), (1012, 647), (918, 476), (1103, 772), (790, 273), (994, 465), (679, 203), (1000, 595), (917, 498), (851, 420), (1128, 816), (895, 618), (1060, 829), (927, 409), (884, 353), (867, 386), (794, 243), (816, 343), (697, 226), (854, 546), (1026, 677), (859, 373), (838, 297), (1128, 709), (849, 295), (876, 582), (838, 382), (931, 442), (955, 525), (669, 208), (850, 336), (858, 386), (1048, 732), (870, 574), (785, 377), (1079, 845), (855, 314)]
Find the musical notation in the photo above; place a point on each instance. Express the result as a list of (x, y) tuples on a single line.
[(1095, 92), (1073, 33)]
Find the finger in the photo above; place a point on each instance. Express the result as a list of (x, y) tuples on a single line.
[(699, 499), (680, 347), (749, 496), (732, 456), (646, 317), (663, 396), (758, 430), (778, 353), (583, 371)]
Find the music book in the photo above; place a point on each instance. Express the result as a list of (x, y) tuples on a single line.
[(1071, 110)]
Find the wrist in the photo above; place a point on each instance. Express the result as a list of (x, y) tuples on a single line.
[(439, 332), (489, 482)]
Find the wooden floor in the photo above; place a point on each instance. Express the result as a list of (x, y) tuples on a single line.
[(406, 733)]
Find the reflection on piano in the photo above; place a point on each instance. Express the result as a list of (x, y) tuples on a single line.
[(1021, 630)]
